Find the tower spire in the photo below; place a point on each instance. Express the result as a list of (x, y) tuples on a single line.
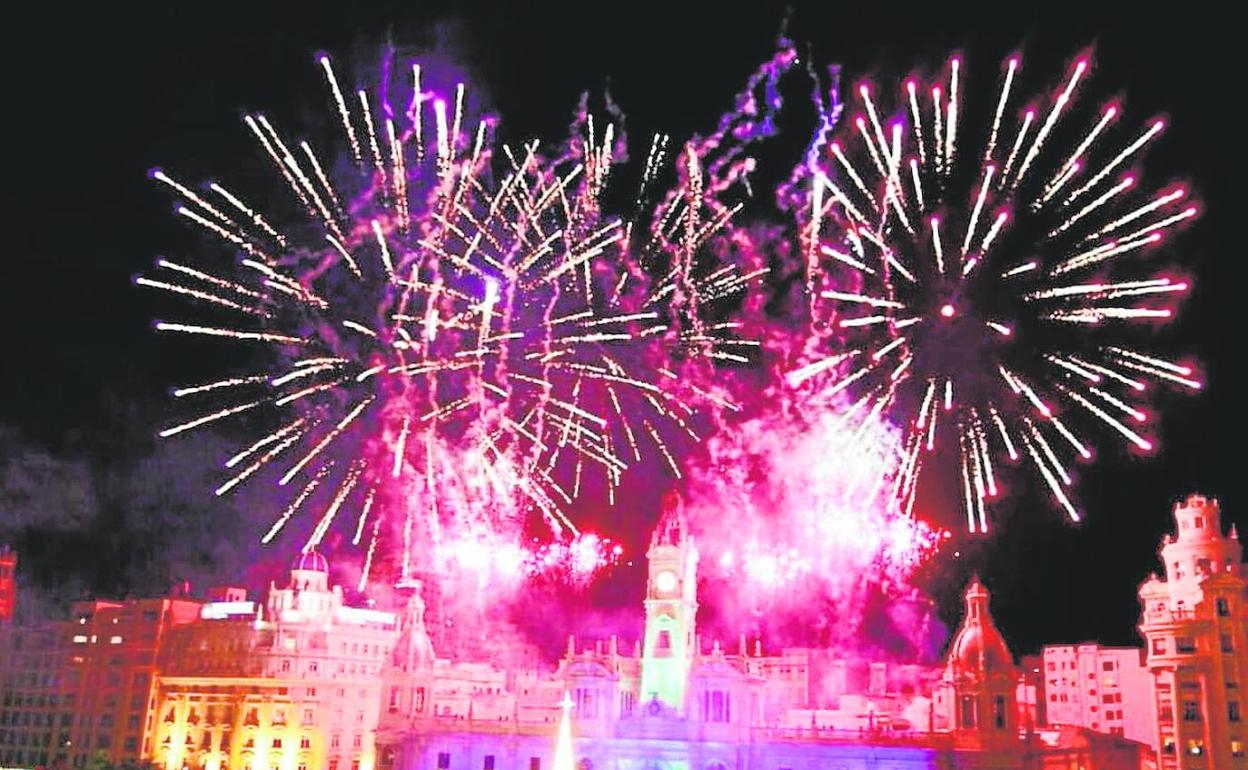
[(671, 609)]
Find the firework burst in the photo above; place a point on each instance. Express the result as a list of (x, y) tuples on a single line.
[(990, 295), (456, 333)]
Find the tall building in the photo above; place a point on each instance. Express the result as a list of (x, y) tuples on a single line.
[(291, 684), (82, 688), (8, 584), (1195, 625), (671, 609), (1107, 689)]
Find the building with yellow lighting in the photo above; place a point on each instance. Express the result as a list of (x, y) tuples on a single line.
[(290, 684)]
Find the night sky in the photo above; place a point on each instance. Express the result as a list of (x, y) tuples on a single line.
[(95, 97)]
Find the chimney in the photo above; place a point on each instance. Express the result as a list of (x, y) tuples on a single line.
[(741, 645), (614, 646), (758, 648), (571, 646)]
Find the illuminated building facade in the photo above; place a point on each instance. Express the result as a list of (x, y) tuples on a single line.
[(83, 688), (1195, 626), (1106, 689), (673, 704), (301, 681), (291, 684)]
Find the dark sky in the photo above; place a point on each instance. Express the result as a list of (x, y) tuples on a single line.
[(95, 97)]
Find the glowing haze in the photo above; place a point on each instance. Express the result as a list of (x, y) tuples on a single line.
[(793, 515)]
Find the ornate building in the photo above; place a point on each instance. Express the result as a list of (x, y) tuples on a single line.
[(293, 684), (1195, 626), (301, 681), (673, 704)]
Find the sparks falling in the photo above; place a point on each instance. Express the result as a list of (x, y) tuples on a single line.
[(458, 335), (988, 299)]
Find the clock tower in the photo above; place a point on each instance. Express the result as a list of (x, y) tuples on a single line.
[(671, 606)]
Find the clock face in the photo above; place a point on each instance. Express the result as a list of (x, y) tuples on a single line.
[(665, 581)]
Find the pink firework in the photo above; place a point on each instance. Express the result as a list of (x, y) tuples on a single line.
[(990, 277), (792, 514), (455, 333)]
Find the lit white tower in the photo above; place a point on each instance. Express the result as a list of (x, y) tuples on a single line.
[(1195, 624), (671, 606)]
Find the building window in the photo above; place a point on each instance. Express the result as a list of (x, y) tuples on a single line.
[(1167, 744), (715, 706), (586, 708), (1232, 710), (998, 712), (663, 645), (488, 762), (1195, 746), (535, 763), (334, 740), (1107, 665), (1191, 711), (1185, 644), (966, 712), (1237, 748), (1227, 645), (1159, 646), (444, 760), (1224, 607)]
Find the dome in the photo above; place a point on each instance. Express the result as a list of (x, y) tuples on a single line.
[(979, 647), (311, 561)]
